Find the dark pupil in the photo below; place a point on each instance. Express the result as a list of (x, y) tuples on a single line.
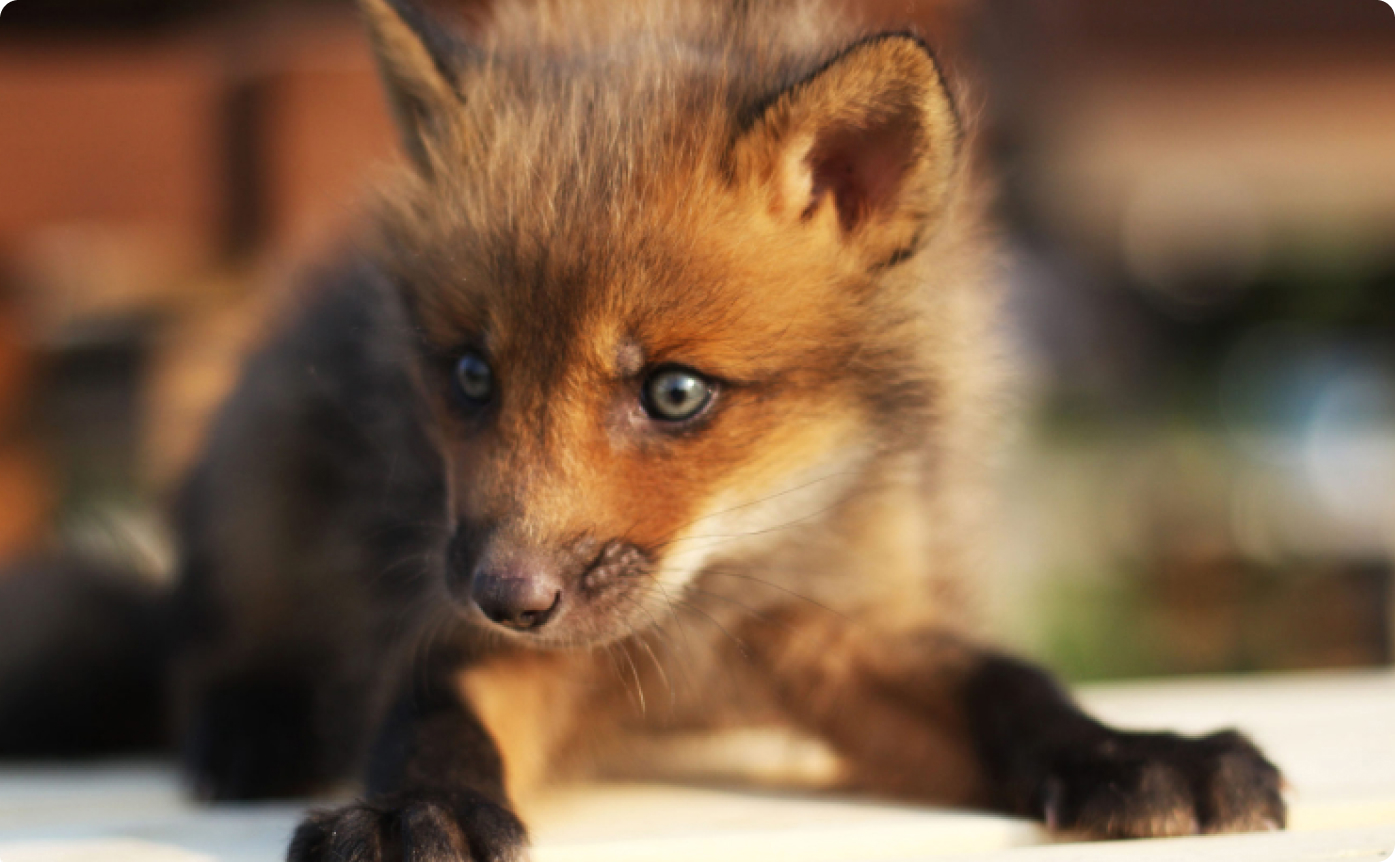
[(474, 378), (678, 395)]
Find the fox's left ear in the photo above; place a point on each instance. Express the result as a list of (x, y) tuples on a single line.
[(865, 148), (420, 63)]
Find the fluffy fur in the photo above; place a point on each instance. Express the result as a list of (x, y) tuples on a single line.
[(760, 193)]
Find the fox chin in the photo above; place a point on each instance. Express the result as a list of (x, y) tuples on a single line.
[(667, 361)]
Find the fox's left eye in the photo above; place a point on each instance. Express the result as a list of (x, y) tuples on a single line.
[(675, 394)]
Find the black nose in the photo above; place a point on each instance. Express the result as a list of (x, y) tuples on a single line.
[(522, 602)]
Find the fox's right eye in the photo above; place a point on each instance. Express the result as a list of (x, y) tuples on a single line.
[(474, 379)]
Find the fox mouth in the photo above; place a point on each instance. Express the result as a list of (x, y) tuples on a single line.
[(584, 593)]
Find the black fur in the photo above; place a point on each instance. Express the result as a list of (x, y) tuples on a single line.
[(83, 650), (1047, 759), (308, 533), (436, 788)]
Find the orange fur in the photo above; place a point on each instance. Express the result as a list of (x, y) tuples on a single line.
[(769, 197)]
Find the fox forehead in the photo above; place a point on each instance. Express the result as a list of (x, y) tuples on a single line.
[(674, 272)]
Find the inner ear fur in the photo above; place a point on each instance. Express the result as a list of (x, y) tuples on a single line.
[(865, 148), (419, 62)]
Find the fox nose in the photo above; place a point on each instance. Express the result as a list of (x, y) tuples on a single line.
[(518, 601)]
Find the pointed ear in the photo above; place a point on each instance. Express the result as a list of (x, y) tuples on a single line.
[(864, 149), (419, 62)]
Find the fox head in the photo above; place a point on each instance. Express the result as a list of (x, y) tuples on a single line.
[(666, 291)]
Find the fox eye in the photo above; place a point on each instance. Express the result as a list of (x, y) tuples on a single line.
[(675, 394), (474, 379)]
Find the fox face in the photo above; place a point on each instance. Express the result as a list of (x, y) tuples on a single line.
[(664, 298)]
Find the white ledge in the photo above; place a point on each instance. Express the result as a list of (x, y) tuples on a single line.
[(1332, 734)]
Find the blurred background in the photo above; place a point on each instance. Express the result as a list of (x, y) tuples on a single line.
[(1198, 202)]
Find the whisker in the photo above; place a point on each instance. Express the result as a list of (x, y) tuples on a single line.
[(665, 541), (775, 586), (745, 607), (637, 600), (639, 686), (745, 652), (719, 539), (672, 694), (673, 613), (615, 664)]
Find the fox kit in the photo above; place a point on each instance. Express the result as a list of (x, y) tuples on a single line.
[(658, 398)]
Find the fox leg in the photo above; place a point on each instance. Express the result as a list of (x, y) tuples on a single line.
[(1046, 758), (263, 729), (927, 715), (436, 789)]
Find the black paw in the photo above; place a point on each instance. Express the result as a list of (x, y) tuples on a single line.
[(415, 828), (1135, 785)]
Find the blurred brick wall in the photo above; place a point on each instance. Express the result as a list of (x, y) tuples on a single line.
[(180, 172)]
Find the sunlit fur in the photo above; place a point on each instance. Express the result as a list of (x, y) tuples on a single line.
[(587, 213), (591, 193), (599, 191)]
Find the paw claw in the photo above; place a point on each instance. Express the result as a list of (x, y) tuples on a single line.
[(1053, 797)]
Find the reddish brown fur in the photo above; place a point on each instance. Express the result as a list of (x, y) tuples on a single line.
[(611, 192), (462, 503)]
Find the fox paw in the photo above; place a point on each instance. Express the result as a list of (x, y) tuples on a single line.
[(1134, 785), (416, 828)]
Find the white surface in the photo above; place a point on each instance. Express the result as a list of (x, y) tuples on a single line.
[(1333, 735)]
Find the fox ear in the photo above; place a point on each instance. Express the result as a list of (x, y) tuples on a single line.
[(419, 62), (865, 148)]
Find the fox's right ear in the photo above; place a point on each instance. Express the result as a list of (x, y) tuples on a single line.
[(420, 63), (864, 150)]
